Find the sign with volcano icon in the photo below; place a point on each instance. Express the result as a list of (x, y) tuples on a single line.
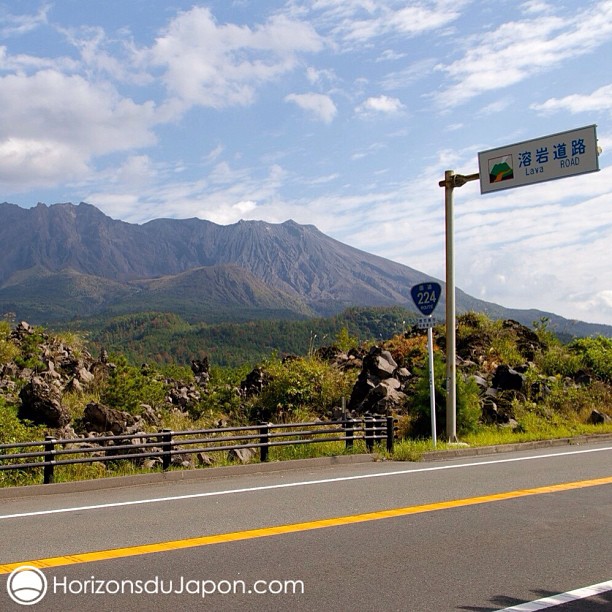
[(500, 169), (542, 159)]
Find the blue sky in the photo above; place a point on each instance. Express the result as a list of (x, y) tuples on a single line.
[(340, 113)]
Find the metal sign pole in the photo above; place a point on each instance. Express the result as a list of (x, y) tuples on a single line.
[(451, 180), (451, 371), (426, 296), (432, 386)]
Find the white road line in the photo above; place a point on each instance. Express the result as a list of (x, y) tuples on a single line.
[(306, 483), (562, 598)]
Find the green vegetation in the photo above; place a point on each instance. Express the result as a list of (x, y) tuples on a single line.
[(468, 408), (127, 387), (9, 351), (13, 430), (300, 389), (595, 354), (562, 384), (29, 356), (167, 338)]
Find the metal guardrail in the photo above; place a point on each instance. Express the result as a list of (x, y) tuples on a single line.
[(166, 443)]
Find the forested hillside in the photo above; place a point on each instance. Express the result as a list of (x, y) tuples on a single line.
[(167, 338)]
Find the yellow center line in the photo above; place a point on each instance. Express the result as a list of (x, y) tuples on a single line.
[(145, 549)]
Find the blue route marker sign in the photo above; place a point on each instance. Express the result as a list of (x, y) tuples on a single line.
[(426, 296)]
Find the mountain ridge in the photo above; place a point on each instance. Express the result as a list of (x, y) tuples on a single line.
[(68, 257)]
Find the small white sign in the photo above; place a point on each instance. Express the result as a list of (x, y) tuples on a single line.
[(426, 322), (541, 159)]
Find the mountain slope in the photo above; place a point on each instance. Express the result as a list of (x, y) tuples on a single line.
[(67, 260), (216, 293), (298, 260), (41, 296)]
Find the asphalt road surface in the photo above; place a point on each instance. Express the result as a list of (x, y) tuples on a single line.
[(481, 533)]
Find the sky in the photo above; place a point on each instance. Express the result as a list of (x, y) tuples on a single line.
[(344, 114)]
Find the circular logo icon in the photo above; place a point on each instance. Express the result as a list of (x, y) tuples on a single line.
[(26, 585)]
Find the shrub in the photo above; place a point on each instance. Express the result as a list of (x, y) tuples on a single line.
[(596, 353), (29, 352), (504, 347), (577, 401), (8, 349), (302, 386), (558, 360), (14, 430), (127, 387), (222, 399), (468, 406), (420, 403), (409, 352), (344, 341)]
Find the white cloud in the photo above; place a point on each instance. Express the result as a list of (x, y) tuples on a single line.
[(389, 55), (52, 125), (214, 154), (224, 196), (136, 172), (359, 21), (321, 180), (25, 64), (221, 65), (315, 76), (372, 149), (536, 6), (380, 104), (415, 71), (602, 297), (422, 18), (244, 207), (599, 100), (224, 174), (496, 107), (517, 50), (28, 163), (340, 10), (17, 25), (320, 106), (118, 59)]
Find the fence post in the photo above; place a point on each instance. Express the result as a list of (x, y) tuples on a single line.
[(369, 431), (49, 458), (390, 433), (264, 438), (349, 426), (166, 448)]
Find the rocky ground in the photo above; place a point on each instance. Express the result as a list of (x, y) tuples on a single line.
[(47, 370)]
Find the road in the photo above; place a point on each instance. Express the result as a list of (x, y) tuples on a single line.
[(482, 533)]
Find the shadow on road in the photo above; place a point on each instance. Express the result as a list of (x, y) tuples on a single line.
[(597, 603)]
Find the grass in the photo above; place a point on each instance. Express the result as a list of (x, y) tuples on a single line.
[(319, 449), (490, 436), (533, 428), (413, 450)]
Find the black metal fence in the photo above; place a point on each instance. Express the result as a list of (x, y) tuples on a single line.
[(166, 443)]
